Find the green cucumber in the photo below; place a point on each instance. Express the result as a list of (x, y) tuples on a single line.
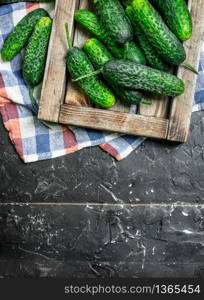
[(177, 17), (153, 58), (78, 65), (134, 76), (92, 23), (126, 3), (114, 20), (36, 52), (18, 38), (99, 56), (133, 53), (159, 35), (97, 53)]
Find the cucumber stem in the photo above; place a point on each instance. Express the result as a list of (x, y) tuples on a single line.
[(69, 42), (126, 49), (146, 102), (88, 75), (190, 67)]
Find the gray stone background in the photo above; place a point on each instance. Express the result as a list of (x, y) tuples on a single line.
[(112, 240)]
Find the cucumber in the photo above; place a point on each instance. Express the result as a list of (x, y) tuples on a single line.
[(97, 53), (99, 56), (133, 53), (131, 97), (126, 3), (134, 76), (162, 39), (92, 23), (78, 64), (151, 54), (36, 52), (114, 20), (177, 17), (18, 38)]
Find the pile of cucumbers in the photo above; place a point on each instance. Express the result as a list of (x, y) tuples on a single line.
[(32, 33), (134, 44)]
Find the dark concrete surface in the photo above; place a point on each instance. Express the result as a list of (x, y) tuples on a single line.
[(114, 240)]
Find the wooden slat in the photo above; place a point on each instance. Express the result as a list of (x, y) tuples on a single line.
[(181, 109), (74, 94), (159, 107), (115, 121), (53, 90)]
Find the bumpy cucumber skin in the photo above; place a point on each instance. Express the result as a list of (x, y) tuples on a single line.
[(114, 20), (36, 52), (131, 97), (159, 35), (78, 64), (152, 56), (92, 23), (133, 53), (126, 3), (18, 38), (134, 76), (177, 17), (99, 56), (97, 53)]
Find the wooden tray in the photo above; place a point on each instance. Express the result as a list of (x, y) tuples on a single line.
[(63, 102)]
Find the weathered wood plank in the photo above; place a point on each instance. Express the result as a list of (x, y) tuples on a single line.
[(74, 94), (181, 108), (159, 107), (53, 90), (115, 121)]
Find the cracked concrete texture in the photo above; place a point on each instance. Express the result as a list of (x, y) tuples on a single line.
[(101, 241), (105, 241), (156, 172)]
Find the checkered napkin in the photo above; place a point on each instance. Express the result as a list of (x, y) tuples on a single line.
[(32, 140)]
